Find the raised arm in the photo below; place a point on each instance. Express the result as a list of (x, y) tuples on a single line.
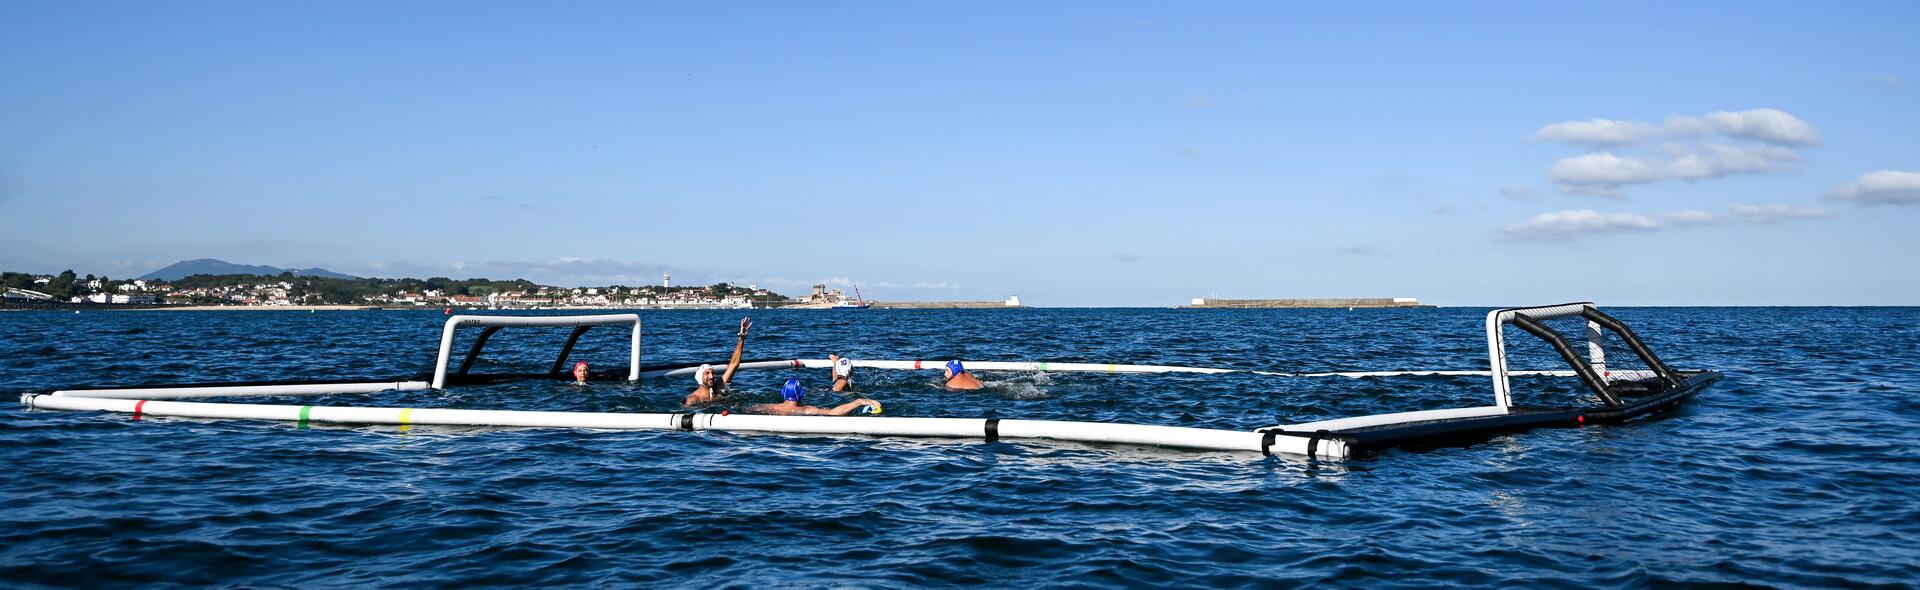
[(733, 364), (840, 382)]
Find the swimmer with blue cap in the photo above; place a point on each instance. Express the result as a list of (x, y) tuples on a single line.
[(707, 384), (793, 392), (958, 377)]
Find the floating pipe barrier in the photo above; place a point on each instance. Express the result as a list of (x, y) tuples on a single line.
[(1628, 394), (241, 390), (1052, 367), (989, 429), (1041, 367)]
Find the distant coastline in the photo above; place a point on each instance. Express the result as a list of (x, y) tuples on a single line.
[(216, 285)]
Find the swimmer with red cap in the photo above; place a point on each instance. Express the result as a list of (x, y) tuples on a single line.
[(958, 377), (580, 373), (792, 393), (707, 383)]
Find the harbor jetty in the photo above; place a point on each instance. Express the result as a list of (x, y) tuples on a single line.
[(1010, 303), (1366, 302)]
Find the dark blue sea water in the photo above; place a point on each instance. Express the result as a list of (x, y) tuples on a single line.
[(1799, 469)]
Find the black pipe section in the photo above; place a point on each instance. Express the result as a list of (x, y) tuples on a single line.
[(1580, 366), (473, 353), (1639, 348), (1363, 441), (567, 350)]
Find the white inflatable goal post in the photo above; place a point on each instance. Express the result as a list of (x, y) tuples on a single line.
[(491, 324)]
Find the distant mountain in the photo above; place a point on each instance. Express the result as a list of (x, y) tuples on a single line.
[(209, 266)]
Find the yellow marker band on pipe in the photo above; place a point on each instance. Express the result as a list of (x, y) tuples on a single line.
[(406, 419), (1109, 368)]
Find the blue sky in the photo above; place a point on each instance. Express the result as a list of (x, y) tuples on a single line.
[(1094, 153)]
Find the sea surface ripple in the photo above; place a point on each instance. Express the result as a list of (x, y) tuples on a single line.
[(1798, 470)]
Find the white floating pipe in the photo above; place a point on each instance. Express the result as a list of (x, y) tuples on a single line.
[(1164, 436), (1091, 432), (1038, 366), (867, 425), (745, 366), (241, 390), (1395, 418), (357, 415), (927, 365), (1051, 367)]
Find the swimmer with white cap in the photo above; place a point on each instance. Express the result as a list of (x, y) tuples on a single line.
[(707, 383), (842, 372)]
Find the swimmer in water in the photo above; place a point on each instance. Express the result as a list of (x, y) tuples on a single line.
[(580, 373), (707, 383), (958, 377), (792, 393), (842, 372)]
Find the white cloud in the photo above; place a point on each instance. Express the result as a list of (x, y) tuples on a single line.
[(1685, 126), (1685, 217), (1774, 213), (1602, 173), (1768, 125), (1715, 160), (1570, 223), (1563, 225), (1597, 132), (1886, 187), (1756, 141), (1764, 125)]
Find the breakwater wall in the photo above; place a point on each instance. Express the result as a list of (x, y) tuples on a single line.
[(944, 305)]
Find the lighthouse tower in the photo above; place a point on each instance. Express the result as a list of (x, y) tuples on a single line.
[(666, 281)]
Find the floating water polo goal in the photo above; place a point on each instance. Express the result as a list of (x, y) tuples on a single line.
[(1621, 377)]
